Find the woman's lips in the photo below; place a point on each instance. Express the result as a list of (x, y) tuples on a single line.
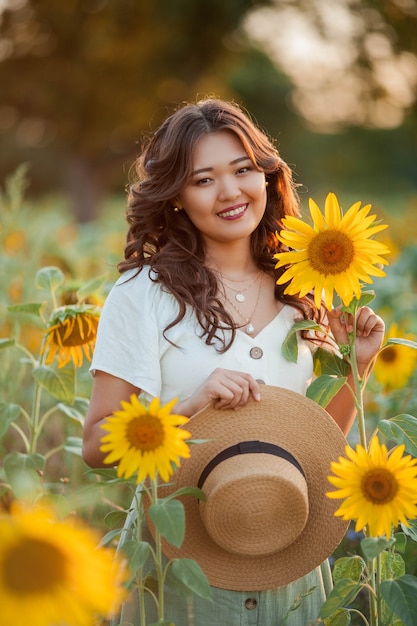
[(233, 212)]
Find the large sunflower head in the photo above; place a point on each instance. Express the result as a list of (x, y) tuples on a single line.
[(51, 571), (379, 488), (145, 439), (71, 333), (337, 253), (396, 363)]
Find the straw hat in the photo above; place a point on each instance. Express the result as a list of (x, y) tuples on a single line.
[(266, 520)]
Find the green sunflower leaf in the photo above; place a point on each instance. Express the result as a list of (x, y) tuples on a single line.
[(372, 546), (22, 473), (366, 298), (400, 542), (393, 565), (108, 473), (108, 537), (411, 530), (74, 445), (8, 414), (342, 594), (137, 553), (59, 383), (188, 491), (169, 519), (402, 342), (90, 287), (324, 388), (402, 429), (326, 362), (115, 518), (289, 347), (28, 308), (76, 411), (192, 576), (340, 618), (400, 595), (7, 342), (49, 277), (350, 567)]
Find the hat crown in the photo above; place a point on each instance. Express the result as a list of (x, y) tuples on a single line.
[(256, 504)]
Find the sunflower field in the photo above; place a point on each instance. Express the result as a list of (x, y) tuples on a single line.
[(55, 275)]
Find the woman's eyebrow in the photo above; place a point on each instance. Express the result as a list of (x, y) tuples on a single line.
[(210, 169)]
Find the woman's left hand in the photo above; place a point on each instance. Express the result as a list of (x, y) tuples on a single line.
[(370, 330)]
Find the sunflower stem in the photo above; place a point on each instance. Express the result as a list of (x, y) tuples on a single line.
[(22, 435), (361, 615), (43, 420), (158, 560), (53, 451), (358, 386), (373, 600), (139, 576), (36, 407), (378, 578)]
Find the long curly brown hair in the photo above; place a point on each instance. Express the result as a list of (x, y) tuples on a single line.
[(169, 243)]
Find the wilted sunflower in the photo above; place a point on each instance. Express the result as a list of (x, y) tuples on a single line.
[(144, 439), (51, 571), (71, 333), (396, 363), (335, 254), (379, 489)]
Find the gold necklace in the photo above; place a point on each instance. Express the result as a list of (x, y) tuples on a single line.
[(250, 329), (239, 292)]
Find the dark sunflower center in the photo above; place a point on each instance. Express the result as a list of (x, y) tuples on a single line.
[(331, 252), (78, 330), (145, 433), (389, 355), (379, 486), (34, 566)]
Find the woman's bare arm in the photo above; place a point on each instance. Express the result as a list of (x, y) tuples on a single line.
[(106, 396)]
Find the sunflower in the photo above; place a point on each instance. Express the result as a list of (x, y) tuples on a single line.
[(71, 333), (145, 439), (14, 242), (51, 571), (379, 488), (335, 254), (396, 363)]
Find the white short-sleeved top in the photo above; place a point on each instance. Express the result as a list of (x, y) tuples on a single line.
[(131, 344)]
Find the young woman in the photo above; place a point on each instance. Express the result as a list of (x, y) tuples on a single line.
[(197, 313)]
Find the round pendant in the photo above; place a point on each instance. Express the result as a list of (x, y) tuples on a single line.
[(250, 329), (240, 297)]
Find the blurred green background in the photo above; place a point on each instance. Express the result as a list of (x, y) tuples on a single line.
[(334, 81)]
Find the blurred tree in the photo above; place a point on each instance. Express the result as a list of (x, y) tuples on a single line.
[(83, 78), (351, 62), (352, 69), (376, 165)]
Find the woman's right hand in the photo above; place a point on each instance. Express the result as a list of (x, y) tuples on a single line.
[(227, 388)]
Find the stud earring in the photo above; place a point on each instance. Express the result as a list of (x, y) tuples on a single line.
[(266, 183), (176, 209)]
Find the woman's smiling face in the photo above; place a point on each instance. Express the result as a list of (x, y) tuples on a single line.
[(225, 197)]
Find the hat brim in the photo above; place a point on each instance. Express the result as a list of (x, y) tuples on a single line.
[(286, 419)]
